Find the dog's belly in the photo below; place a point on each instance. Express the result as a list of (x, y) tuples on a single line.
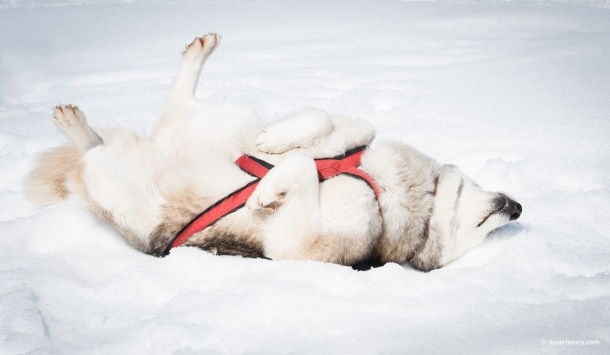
[(190, 191), (351, 225), (238, 233)]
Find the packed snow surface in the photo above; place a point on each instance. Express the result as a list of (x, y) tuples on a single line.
[(516, 93)]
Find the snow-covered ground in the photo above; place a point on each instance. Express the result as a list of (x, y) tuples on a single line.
[(516, 93)]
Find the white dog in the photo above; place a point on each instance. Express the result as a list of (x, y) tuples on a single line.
[(182, 186)]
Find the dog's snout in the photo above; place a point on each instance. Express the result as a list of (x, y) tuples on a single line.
[(499, 203)]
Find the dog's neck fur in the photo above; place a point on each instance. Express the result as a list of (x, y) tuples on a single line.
[(406, 211)]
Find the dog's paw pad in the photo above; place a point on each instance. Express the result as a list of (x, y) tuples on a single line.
[(266, 202), (66, 116), (72, 122), (203, 45), (270, 207)]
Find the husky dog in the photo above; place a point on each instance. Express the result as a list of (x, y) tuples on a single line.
[(423, 214)]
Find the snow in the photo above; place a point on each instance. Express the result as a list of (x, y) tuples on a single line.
[(514, 92)]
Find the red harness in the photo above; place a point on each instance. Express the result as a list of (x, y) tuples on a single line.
[(346, 164)]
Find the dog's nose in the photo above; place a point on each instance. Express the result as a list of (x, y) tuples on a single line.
[(515, 209), (509, 207)]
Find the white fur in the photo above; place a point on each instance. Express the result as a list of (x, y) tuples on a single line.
[(296, 221), (146, 186), (298, 131)]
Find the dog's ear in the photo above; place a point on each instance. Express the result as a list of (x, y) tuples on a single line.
[(448, 190), (449, 184)]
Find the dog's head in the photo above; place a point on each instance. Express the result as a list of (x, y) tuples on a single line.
[(464, 213)]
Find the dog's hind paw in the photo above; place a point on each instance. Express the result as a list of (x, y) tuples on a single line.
[(203, 46), (68, 116), (73, 123)]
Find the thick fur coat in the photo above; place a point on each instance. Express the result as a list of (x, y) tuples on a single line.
[(148, 188)]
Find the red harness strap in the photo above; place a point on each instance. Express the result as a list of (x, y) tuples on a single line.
[(231, 203), (346, 164)]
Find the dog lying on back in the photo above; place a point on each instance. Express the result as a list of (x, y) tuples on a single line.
[(410, 210)]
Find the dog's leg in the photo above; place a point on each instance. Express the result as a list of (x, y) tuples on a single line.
[(193, 58), (73, 123), (288, 199), (315, 133), (184, 118), (296, 174), (297, 131)]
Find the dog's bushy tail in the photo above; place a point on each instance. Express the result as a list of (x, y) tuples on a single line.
[(56, 172)]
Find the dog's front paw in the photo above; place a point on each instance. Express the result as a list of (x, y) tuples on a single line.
[(296, 131), (294, 174), (203, 46), (268, 141), (266, 198)]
